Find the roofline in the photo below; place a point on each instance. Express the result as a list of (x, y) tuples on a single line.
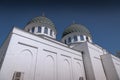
[(46, 38)]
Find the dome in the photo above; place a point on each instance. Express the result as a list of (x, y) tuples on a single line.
[(41, 26), (81, 29), (43, 21), (75, 34)]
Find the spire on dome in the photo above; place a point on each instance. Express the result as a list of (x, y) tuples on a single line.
[(43, 14), (73, 22)]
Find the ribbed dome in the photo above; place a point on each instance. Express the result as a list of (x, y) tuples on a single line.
[(43, 21), (81, 29)]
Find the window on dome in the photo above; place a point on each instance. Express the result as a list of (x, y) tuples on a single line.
[(51, 32), (81, 37), (33, 29), (39, 29), (69, 39), (65, 42), (46, 30), (75, 38), (28, 30), (87, 39)]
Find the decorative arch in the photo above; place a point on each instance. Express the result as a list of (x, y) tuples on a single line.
[(78, 64), (77, 71), (66, 70), (49, 68), (26, 50), (67, 61), (24, 63), (51, 57)]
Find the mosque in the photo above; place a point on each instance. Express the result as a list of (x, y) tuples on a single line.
[(35, 54)]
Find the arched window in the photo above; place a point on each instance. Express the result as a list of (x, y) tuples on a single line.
[(51, 32), (75, 38), (69, 39), (65, 42), (28, 30), (46, 30), (39, 29), (33, 29), (81, 37), (87, 38)]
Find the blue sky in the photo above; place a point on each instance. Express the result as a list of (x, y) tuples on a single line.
[(102, 18)]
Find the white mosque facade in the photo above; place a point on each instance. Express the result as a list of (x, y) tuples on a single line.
[(35, 54)]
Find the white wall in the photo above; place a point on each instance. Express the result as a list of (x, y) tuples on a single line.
[(95, 53), (86, 60), (112, 66), (40, 59), (92, 61), (116, 62), (3, 49)]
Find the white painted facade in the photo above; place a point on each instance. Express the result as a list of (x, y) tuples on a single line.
[(111, 66), (31, 54), (40, 59), (91, 56)]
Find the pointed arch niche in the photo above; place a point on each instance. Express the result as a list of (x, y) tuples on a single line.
[(49, 68)]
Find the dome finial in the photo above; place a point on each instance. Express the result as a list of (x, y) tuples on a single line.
[(73, 22), (43, 14)]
